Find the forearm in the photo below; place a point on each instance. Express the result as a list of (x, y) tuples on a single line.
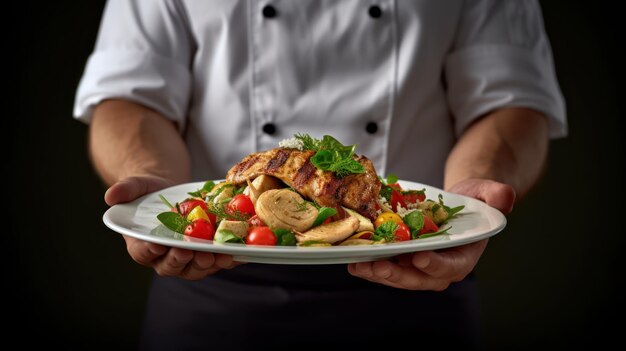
[(127, 139), (508, 145)]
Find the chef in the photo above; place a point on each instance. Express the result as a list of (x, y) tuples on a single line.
[(460, 95)]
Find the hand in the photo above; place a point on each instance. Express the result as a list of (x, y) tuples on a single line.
[(436, 270), (166, 261)]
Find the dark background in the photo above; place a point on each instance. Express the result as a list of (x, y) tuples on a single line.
[(553, 277)]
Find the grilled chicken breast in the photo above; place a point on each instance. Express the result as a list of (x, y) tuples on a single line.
[(358, 192)]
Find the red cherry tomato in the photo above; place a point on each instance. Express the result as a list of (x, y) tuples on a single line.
[(429, 226), (241, 203), (396, 199), (261, 236), (255, 221), (212, 217), (403, 233), (189, 204), (200, 228)]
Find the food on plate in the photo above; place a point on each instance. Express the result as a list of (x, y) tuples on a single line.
[(307, 192), (357, 191)]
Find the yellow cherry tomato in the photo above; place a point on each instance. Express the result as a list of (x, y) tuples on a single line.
[(386, 217), (197, 212)]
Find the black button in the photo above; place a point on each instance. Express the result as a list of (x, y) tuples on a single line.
[(371, 127), (375, 11), (269, 11), (269, 128)]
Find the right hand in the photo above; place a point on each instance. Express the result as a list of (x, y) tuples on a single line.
[(166, 261)]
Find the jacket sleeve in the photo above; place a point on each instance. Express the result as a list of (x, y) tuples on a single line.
[(501, 57), (143, 54)]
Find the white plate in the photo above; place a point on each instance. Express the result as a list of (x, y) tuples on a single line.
[(138, 219)]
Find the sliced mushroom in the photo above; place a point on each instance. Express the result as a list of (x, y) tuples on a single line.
[(331, 232), (364, 223), (285, 209), (262, 184), (239, 228)]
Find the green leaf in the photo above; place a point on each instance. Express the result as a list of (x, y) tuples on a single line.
[(324, 212), (331, 155), (173, 221), (164, 200), (387, 230), (415, 221), (430, 235), (227, 236), (207, 187), (323, 160), (453, 211), (330, 143), (284, 237), (391, 179), (385, 191), (347, 166)]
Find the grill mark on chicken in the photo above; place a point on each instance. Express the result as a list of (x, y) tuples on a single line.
[(243, 166), (278, 160), (304, 174), (356, 191)]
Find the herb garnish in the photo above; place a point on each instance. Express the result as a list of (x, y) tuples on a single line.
[(386, 231), (202, 192), (331, 155)]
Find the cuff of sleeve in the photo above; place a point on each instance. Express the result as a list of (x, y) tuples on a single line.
[(483, 78), (154, 81)]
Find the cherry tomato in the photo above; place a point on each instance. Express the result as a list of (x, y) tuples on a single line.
[(189, 204), (403, 233), (261, 236), (429, 226), (241, 203), (328, 220), (396, 199), (255, 221), (200, 228), (412, 198), (387, 216)]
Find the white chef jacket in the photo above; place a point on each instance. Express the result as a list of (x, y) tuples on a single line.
[(402, 79)]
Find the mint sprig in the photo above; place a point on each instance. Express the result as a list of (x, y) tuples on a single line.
[(331, 155)]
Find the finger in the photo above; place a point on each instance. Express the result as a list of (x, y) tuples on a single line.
[(202, 265), (365, 270), (500, 196), (451, 264), (495, 194), (361, 269), (397, 276), (226, 261), (174, 262), (144, 252), (131, 188)]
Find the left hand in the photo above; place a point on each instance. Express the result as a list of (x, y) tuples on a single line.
[(436, 270)]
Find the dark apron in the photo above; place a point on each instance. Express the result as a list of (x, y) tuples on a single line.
[(258, 306)]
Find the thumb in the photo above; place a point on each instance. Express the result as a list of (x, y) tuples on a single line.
[(495, 194), (131, 188)]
